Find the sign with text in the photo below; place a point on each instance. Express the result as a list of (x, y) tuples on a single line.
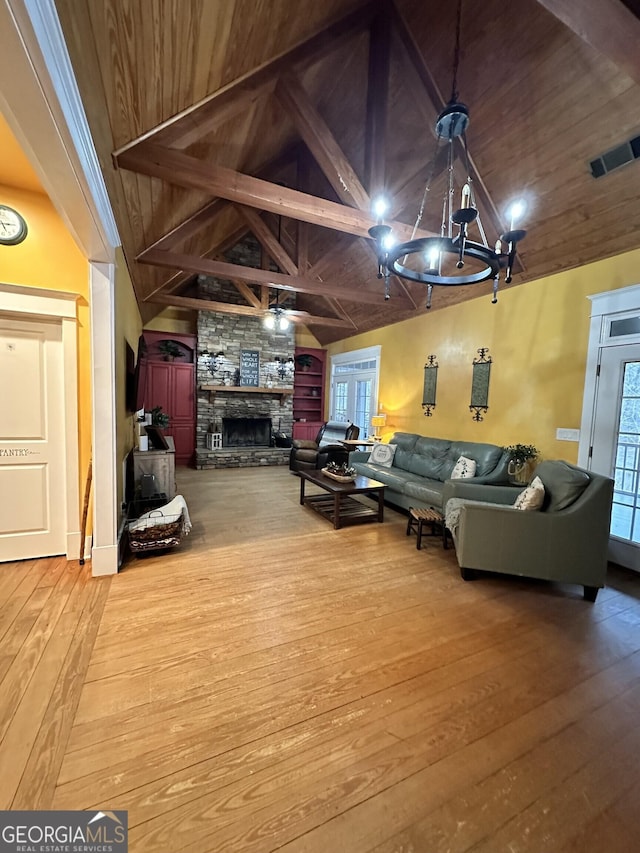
[(63, 832), (250, 367)]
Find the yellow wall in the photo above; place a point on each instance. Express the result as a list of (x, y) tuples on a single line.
[(304, 338), (49, 258), (177, 320), (537, 336), (128, 327)]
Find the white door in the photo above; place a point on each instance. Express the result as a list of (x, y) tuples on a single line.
[(616, 447), (354, 387), (32, 449)]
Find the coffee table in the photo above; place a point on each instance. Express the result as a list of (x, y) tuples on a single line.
[(338, 505)]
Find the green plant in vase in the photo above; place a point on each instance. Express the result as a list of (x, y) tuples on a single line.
[(169, 349), (304, 361), (521, 459), (159, 418)]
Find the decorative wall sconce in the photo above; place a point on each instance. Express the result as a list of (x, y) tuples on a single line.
[(430, 383), (480, 384), (284, 367), (213, 361)]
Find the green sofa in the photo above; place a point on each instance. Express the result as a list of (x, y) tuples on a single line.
[(566, 540), (422, 466)]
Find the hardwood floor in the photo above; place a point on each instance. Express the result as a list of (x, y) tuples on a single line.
[(277, 685)]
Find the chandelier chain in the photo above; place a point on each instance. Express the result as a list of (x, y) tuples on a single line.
[(456, 55)]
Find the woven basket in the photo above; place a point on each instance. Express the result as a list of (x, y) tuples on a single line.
[(153, 536)]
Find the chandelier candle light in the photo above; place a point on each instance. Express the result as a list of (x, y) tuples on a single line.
[(449, 259)]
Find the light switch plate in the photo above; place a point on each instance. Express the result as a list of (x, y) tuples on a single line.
[(568, 434)]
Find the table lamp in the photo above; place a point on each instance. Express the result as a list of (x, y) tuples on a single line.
[(378, 421)]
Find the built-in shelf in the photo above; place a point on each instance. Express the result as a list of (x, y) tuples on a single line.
[(283, 393)]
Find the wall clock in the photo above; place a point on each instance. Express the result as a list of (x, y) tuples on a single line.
[(13, 228)]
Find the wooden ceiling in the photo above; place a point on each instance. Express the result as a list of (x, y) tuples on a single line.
[(279, 119)]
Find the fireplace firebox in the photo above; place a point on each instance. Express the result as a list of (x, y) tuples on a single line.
[(246, 432)]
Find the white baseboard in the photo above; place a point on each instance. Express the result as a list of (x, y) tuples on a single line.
[(104, 560)]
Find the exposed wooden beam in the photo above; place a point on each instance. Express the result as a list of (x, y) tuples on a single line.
[(607, 25), (172, 284), (267, 239), (195, 304), (321, 142), (294, 284), (196, 121), (191, 226), (302, 170), (377, 96), (184, 170)]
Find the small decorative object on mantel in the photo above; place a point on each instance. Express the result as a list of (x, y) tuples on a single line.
[(521, 458), (430, 383), (342, 473), (480, 384)]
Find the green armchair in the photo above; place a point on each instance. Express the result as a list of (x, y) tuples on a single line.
[(565, 541)]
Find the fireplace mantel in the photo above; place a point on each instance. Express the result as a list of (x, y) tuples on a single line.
[(248, 389)]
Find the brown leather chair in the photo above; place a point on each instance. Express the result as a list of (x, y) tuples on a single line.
[(307, 455)]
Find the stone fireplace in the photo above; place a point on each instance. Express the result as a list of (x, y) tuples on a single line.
[(247, 416)]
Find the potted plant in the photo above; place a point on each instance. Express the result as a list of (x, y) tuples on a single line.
[(521, 457), (169, 349), (304, 361), (159, 418)]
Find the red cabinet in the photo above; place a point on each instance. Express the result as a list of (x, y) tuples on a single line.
[(171, 385), (308, 392)]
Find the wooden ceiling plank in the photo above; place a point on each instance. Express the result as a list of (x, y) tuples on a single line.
[(321, 142), (203, 116), (294, 284), (377, 104), (195, 304), (267, 239), (607, 25), (184, 170)]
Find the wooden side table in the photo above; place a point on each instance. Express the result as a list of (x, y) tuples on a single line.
[(418, 516)]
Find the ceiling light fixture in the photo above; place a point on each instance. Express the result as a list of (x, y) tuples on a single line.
[(276, 318), (449, 259)]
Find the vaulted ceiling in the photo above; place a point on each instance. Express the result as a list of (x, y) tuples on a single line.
[(280, 120)]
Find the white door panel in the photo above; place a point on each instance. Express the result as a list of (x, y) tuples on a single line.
[(616, 447), (32, 450)]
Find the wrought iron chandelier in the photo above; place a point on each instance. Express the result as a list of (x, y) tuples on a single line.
[(450, 259)]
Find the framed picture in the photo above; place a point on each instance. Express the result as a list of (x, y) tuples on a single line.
[(157, 441)]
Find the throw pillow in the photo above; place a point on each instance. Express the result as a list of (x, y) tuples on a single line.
[(464, 469), (382, 454), (532, 497)]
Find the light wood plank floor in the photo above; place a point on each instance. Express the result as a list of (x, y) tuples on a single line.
[(278, 685)]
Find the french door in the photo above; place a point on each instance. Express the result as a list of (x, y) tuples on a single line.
[(354, 388), (616, 446)]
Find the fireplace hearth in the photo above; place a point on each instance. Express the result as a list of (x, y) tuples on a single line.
[(246, 432)]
